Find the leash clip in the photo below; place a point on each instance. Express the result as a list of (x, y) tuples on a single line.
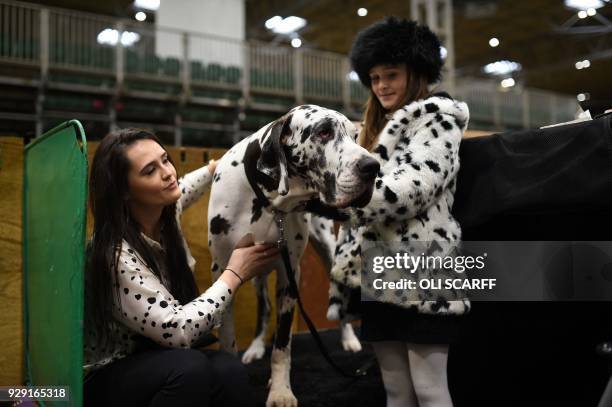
[(279, 218)]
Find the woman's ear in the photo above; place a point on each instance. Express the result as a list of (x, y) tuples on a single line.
[(273, 161)]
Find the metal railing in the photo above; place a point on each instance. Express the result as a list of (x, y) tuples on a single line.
[(20, 32), (143, 57), (516, 107)]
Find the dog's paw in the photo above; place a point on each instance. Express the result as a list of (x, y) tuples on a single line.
[(255, 351), (333, 312), (350, 342), (282, 397)]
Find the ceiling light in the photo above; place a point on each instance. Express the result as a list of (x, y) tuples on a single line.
[(591, 11), (352, 76), (110, 36), (272, 22), (582, 14), (584, 4), (147, 4), (362, 12), (296, 43), (494, 42), (507, 83), (583, 64), (129, 38), (285, 25), (140, 16), (583, 96), (502, 67), (443, 52)]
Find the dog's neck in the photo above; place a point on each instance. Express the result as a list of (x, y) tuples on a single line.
[(266, 188), (295, 199)]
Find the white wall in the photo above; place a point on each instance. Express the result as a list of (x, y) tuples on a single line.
[(224, 18)]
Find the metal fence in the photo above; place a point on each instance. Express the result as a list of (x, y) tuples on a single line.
[(516, 107), (19, 33), (142, 57), (72, 42)]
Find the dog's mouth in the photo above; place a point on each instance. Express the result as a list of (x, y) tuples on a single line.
[(357, 198)]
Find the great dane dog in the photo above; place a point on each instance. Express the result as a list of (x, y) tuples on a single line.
[(309, 153), (321, 235)]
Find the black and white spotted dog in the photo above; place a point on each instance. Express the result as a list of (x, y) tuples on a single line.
[(310, 153), (321, 235)]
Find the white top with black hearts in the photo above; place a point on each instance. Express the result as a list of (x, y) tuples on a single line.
[(145, 307)]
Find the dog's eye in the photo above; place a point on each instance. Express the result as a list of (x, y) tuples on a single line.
[(325, 135)]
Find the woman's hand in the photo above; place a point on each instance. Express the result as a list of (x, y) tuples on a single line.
[(212, 166), (248, 262)]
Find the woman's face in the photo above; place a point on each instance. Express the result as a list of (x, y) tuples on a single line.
[(389, 82), (152, 177)]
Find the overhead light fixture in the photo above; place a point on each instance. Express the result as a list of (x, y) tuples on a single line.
[(285, 25), (502, 67), (147, 4), (443, 52), (352, 76), (140, 16), (591, 11), (583, 64), (362, 12), (584, 4), (296, 43), (129, 38), (508, 83), (583, 96), (273, 21), (110, 36), (582, 14), (493, 42)]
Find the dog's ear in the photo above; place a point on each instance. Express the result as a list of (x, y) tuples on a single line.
[(273, 161)]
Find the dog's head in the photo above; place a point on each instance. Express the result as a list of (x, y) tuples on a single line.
[(316, 148)]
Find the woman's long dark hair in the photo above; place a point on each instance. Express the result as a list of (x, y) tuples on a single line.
[(113, 223)]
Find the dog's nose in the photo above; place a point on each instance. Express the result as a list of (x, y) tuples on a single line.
[(368, 167)]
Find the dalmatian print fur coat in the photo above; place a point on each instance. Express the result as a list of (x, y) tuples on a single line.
[(419, 155)]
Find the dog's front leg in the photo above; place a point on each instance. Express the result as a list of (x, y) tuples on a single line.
[(257, 348), (338, 304), (350, 342), (281, 394), (222, 251)]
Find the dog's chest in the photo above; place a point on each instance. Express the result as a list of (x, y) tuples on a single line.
[(264, 229)]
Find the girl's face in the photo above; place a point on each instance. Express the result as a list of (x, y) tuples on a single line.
[(152, 177), (389, 82)]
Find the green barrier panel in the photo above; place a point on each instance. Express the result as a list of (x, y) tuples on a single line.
[(54, 220)]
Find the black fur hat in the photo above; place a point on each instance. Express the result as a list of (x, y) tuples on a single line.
[(393, 41)]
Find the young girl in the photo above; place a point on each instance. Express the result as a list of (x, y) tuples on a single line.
[(416, 138), (143, 310)]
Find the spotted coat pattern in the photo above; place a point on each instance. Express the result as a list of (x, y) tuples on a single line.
[(419, 155)]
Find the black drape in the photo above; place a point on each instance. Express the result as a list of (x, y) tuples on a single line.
[(545, 184)]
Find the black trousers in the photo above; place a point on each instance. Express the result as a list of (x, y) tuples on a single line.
[(170, 377)]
